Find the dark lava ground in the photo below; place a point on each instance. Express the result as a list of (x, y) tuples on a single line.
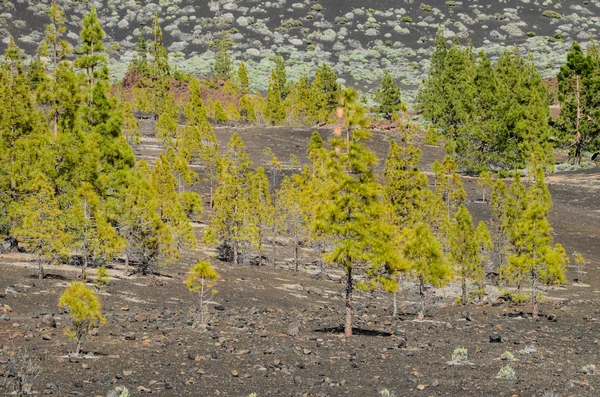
[(149, 346)]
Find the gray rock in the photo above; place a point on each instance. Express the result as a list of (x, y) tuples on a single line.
[(48, 320), (294, 328)]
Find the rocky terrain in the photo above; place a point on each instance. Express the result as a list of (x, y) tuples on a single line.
[(358, 38)]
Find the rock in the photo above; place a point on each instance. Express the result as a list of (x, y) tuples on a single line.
[(220, 308), (294, 328), (421, 387), (468, 316), (314, 290), (48, 320), (46, 337), (143, 389), (551, 317), (297, 380), (495, 338), (235, 373)]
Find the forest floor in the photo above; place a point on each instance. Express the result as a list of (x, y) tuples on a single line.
[(149, 345)]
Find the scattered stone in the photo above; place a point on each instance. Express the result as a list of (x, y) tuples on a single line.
[(48, 320), (143, 389), (235, 373), (495, 338), (46, 337), (294, 328), (421, 387), (552, 317)]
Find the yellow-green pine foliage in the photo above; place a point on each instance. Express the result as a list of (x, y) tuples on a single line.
[(274, 112), (263, 209), (232, 112), (243, 76), (191, 202), (485, 244), (90, 231), (133, 207), (290, 218), (323, 98), (388, 96), (431, 136), (159, 83), (166, 125), (580, 263), (102, 277), (85, 311), (350, 213), (40, 228), (169, 208), (464, 250), (219, 112), (406, 188), (232, 222), (247, 111), (91, 53), (131, 128), (485, 182), (201, 281), (426, 259), (24, 137), (54, 44), (535, 257)]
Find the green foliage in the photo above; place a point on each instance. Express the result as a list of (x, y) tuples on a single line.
[(84, 309), (90, 231), (551, 14), (426, 258), (261, 204), (578, 83), (40, 228), (494, 116), (91, 54), (507, 372), (247, 111), (534, 259), (431, 136), (232, 222), (102, 277), (580, 263), (323, 97), (222, 67), (201, 281), (350, 211), (274, 112), (243, 79), (219, 113), (460, 355), (388, 96), (166, 125), (290, 217), (281, 77), (464, 250)]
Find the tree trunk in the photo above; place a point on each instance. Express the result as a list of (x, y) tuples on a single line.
[(348, 326), (578, 138), (235, 252), (126, 270), (40, 268), (536, 308), (464, 291), (422, 298), (395, 310), (296, 254)]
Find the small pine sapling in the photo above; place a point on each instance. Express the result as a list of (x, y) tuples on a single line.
[(580, 263), (485, 182), (102, 277), (431, 136), (201, 281), (84, 309)]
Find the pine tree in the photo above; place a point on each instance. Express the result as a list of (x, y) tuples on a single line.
[(41, 229), (323, 97), (159, 70), (290, 219), (426, 260), (262, 206), (350, 211), (201, 281), (243, 76), (222, 66), (464, 250), (274, 110), (405, 186), (485, 245), (534, 256), (140, 61), (133, 206), (167, 123), (388, 96), (169, 207), (247, 111), (232, 223), (91, 54), (219, 113), (24, 138), (131, 129), (281, 76), (90, 232), (485, 182), (84, 310), (578, 83)]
